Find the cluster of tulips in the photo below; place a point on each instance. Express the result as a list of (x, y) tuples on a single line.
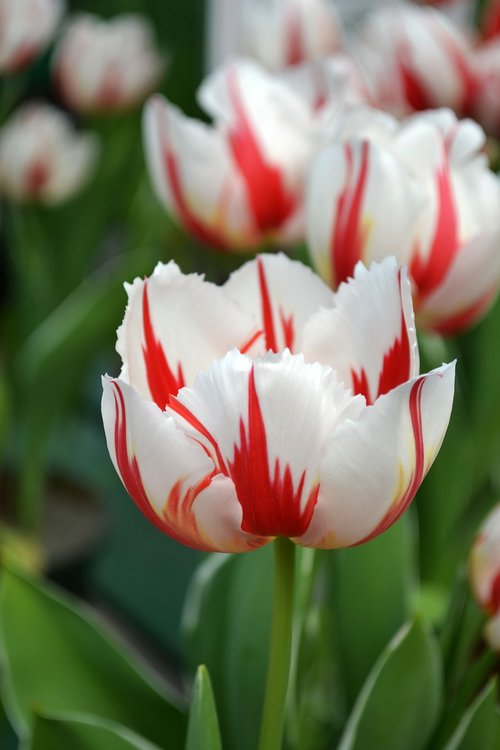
[(347, 177)]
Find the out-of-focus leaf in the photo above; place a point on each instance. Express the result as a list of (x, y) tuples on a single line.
[(399, 702), (477, 729), (205, 617), (83, 732), (203, 727), (227, 621), (57, 659), (372, 588)]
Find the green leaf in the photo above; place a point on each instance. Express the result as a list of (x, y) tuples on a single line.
[(372, 584), (82, 732), (203, 727), (477, 728), (399, 703), (56, 658), (227, 621)]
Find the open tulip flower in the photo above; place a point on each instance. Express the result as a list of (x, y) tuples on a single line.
[(420, 190), (238, 183), (26, 26), (271, 407), (42, 157), (415, 59), (107, 66), (485, 574)]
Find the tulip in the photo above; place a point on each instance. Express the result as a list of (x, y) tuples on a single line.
[(276, 33), (484, 571), (415, 59), (237, 183), (107, 66), (485, 102), (26, 26), (271, 407), (42, 157), (420, 190)]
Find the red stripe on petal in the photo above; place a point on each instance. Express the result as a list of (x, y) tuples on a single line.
[(270, 503), (184, 412), (270, 203), (266, 308), (350, 236), (396, 364), (396, 368), (490, 25), (295, 53), (162, 381), (428, 273), (493, 603), (267, 315), (177, 519), (403, 500), (414, 90)]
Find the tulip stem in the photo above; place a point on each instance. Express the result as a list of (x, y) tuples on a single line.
[(278, 668)]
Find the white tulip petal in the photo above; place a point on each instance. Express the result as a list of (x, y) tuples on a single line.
[(468, 289), (175, 325), (266, 424), (281, 295), (369, 337), (354, 187), (374, 466), (194, 176), (484, 567), (170, 476)]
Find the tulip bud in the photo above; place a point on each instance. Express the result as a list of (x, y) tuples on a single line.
[(26, 28), (42, 158), (107, 66), (485, 574)]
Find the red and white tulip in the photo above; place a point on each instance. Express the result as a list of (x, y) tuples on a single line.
[(26, 27), (272, 407), (415, 59), (42, 157), (485, 101), (485, 574), (239, 182), (276, 33), (107, 66), (420, 190)]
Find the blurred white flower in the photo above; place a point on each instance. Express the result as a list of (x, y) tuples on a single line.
[(26, 27), (277, 33), (107, 66), (421, 190), (415, 59), (42, 157), (484, 570)]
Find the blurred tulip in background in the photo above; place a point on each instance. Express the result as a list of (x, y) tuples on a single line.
[(485, 574), (107, 66), (276, 33), (42, 157), (26, 27), (420, 189)]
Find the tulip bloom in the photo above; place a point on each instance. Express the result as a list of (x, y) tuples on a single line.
[(42, 157), (485, 574), (26, 28), (415, 59), (240, 182), (315, 425), (420, 190), (276, 33), (107, 66)]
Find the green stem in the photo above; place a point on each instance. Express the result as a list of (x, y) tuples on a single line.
[(278, 669)]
